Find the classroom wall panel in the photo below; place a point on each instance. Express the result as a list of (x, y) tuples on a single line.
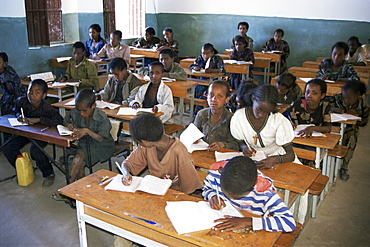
[(308, 38)]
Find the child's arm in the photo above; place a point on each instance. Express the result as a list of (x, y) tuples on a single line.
[(198, 63), (86, 131), (350, 73), (270, 161), (165, 101)]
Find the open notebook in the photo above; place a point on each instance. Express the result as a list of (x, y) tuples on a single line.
[(148, 184), (15, 122), (190, 135), (303, 126), (63, 130), (188, 216), (337, 117), (260, 155)]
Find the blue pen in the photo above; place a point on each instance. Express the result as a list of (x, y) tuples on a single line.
[(147, 221)]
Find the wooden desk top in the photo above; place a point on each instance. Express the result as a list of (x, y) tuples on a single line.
[(275, 57), (149, 53), (110, 112), (230, 68), (291, 176), (64, 64), (198, 74), (152, 207), (50, 135), (327, 142)]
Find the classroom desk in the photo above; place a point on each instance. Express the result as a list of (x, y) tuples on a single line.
[(275, 58), (149, 53), (230, 68), (64, 64), (315, 65), (106, 210), (332, 88), (263, 63), (288, 176), (181, 90), (211, 76), (50, 135), (134, 60)]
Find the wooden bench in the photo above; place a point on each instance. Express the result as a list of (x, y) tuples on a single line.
[(336, 156), (315, 190), (287, 239)]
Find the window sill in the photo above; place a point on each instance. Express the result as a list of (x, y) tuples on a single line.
[(47, 46)]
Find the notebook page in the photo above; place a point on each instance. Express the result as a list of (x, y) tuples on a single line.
[(154, 185), (63, 130), (229, 155), (190, 135), (201, 145), (15, 122), (117, 185)]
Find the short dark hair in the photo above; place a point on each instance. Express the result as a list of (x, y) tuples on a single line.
[(209, 47), (4, 56), (241, 39), (355, 86), (41, 83), (96, 27), (146, 127), (222, 83), (320, 83), (264, 93), (244, 88), (279, 30), (85, 96), (157, 63), (117, 63), (150, 30), (167, 29), (243, 23), (341, 45), (79, 45), (286, 79), (239, 176), (117, 33), (354, 38), (167, 51)]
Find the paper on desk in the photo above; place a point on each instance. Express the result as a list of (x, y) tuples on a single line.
[(189, 216), (46, 76), (63, 84), (306, 79), (62, 59), (200, 71), (190, 135), (237, 62), (338, 117), (72, 102), (201, 145), (228, 155), (167, 79), (63, 130), (303, 126), (149, 184), (15, 122), (104, 104), (130, 111)]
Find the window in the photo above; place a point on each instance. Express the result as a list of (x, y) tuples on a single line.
[(130, 17), (44, 22)]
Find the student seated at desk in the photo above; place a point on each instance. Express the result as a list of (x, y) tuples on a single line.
[(356, 55), (237, 99), (214, 121), (278, 44), (289, 91), (239, 182), (148, 41), (155, 94), (11, 85), (351, 101), (35, 110), (164, 156), (312, 109), (262, 128), (172, 69), (122, 87), (81, 69), (114, 48), (336, 68), (169, 43), (90, 126), (241, 53), (243, 28), (96, 42)]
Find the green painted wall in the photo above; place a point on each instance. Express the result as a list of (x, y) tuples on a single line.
[(308, 39)]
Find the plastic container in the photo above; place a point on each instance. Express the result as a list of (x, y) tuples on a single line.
[(24, 168)]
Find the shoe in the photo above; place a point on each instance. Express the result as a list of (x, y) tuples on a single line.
[(58, 197), (343, 174)]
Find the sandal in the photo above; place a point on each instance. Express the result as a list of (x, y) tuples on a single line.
[(58, 197), (343, 174)]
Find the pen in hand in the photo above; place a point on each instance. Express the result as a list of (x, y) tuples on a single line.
[(22, 114)]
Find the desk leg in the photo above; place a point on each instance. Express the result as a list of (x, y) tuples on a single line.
[(66, 166), (286, 197), (181, 109), (192, 95), (81, 224)]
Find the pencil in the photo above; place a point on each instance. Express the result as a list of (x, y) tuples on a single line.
[(217, 194), (44, 129), (22, 113)]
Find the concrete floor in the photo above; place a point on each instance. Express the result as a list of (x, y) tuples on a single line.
[(29, 217)]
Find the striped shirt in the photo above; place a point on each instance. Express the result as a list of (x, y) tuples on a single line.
[(262, 200)]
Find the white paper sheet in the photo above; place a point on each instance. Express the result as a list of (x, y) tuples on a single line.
[(229, 155), (190, 135), (14, 122), (337, 117)]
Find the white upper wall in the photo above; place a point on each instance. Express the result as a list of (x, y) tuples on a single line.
[(13, 8), (357, 10)]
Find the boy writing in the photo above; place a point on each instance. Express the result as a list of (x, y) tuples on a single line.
[(79, 68), (155, 94), (35, 110), (91, 127), (247, 189), (122, 87)]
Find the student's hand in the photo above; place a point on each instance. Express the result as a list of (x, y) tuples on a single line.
[(21, 119), (197, 141), (32, 121), (213, 202), (249, 152), (325, 77), (135, 105), (155, 109), (268, 163), (215, 146), (71, 127), (232, 223), (336, 110), (196, 68), (307, 132), (63, 79), (80, 133), (352, 112), (127, 180), (165, 74)]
